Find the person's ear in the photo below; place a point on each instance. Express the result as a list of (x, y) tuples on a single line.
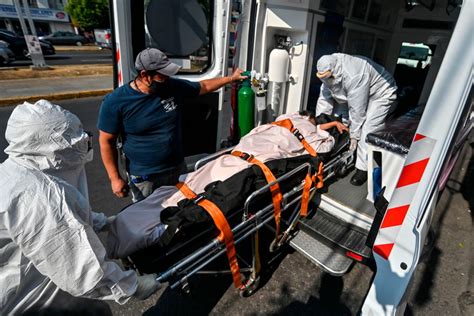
[(144, 75)]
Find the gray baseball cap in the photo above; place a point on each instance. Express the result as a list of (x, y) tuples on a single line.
[(153, 59)]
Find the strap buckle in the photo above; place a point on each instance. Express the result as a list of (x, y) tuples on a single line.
[(198, 198), (298, 135), (245, 156)]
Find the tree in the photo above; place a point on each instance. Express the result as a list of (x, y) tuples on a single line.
[(89, 14)]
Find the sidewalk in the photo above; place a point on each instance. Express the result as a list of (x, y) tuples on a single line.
[(13, 92), (62, 48)]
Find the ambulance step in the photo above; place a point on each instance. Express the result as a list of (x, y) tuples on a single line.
[(349, 237), (320, 254)]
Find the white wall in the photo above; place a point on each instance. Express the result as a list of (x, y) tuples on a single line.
[(42, 3), (61, 27)]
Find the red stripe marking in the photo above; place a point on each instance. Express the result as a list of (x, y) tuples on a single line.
[(117, 55), (383, 250), (412, 173), (418, 137), (354, 256), (395, 216), (119, 76)]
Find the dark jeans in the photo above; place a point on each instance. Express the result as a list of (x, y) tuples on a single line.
[(143, 186)]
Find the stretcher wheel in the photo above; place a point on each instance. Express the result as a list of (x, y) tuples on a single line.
[(341, 170), (275, 245), (250, 287)]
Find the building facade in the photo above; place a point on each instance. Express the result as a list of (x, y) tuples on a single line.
[(48, 16)]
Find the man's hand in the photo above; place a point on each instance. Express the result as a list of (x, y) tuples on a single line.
[(341, 127), (119, 187), (237, 75)]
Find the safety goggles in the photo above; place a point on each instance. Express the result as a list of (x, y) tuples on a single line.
[(324, 75)]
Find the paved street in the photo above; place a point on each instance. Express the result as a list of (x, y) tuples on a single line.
[(72, 58), (54, 85), (293, 285)]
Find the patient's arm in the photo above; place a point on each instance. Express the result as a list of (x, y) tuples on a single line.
[(340, 127)]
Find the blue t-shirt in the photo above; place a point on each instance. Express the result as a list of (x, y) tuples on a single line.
[(150, 124)]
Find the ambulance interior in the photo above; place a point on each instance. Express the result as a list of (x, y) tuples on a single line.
[(409, 38)]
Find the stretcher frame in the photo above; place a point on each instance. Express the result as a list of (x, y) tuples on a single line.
[(179, 273)]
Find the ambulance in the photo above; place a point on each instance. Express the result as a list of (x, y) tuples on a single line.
[(428, 47)]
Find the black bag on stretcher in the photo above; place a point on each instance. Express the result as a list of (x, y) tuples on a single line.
[(153, 232)]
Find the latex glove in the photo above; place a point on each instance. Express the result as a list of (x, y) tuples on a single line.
[(110, 220), (353, 145), (147, 285)]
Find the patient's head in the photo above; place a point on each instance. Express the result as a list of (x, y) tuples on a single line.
[(310, 116)]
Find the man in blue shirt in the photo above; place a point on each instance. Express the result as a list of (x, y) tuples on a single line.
[(146, 113)]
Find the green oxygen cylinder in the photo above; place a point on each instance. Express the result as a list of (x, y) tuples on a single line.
[(245, 106)]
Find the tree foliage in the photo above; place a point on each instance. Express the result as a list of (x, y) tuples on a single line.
[(89, 14)]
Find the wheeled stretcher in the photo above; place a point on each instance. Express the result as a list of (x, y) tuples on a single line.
[(244, 203)]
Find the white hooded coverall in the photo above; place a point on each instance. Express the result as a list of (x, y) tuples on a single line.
[(47, 239), (366, 87)]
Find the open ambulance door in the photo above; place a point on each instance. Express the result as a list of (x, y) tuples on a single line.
[(194, 34)]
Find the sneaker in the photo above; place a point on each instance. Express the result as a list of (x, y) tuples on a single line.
[(359, 178)]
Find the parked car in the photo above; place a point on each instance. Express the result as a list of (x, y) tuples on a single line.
[(9, 32), (65, 38), (19, 48), (103, 38), (6, 55)]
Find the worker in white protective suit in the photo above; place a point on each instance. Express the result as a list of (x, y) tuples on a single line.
[(369, 92), (47, 229)]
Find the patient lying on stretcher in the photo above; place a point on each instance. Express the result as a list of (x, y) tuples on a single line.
[(227, 179)]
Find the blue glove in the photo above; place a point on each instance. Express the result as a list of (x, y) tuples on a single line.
[(146, 286)]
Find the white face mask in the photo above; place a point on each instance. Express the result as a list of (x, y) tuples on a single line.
[(329, 81)]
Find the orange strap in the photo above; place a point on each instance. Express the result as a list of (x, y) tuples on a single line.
[(220, 221), (317, 180), (277, 197), (286, 123)]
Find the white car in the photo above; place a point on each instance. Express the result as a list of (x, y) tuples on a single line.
[(6, 55), (414, 54)]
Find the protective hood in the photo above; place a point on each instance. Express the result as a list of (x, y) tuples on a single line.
[(47, 137), (330, 63)]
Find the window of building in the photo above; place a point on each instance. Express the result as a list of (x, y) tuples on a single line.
[(337, 6), (359, 9), (33, 3), (359, 43)]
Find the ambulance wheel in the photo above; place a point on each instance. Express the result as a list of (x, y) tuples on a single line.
[(250, 287)]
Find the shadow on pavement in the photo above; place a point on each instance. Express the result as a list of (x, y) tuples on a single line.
[(328, 303), (432, 253), (206, 291), (66, 305), (466, 299)]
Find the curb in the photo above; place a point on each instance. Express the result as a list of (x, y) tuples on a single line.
[(76, 48), (54, 97)]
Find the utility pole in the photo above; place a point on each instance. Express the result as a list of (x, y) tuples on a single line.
[(32, 41)]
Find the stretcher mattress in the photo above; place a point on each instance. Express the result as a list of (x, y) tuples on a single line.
[(396, 135), (166, 217)]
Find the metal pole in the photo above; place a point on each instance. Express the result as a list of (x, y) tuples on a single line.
[(32, 42), (20, 17), (28, 17)]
